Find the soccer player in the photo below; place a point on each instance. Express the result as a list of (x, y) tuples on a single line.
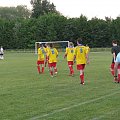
[(115, 50), (52, 56), (40, 61), (117, 68), (1, 53), (81, 55), (88, 48), (47, 48), (70, 52)]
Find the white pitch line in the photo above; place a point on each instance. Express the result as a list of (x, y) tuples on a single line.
[(72, 106)]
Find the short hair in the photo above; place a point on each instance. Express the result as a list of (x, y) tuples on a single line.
[(71, 44), (79, 40), (51, 45), (40, 45), (114, 41)]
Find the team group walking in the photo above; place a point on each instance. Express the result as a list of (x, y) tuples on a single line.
[(47, 56)]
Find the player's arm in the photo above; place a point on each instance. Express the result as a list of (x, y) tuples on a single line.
[(113, 53), (56, 52), (87, 56), (75, 53), (114, 56), (65, 55)]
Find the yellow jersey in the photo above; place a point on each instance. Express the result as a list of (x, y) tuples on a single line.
[(80, 53), (41, 54), (52, 54), (70, 52), (87, 47), (47, 50)]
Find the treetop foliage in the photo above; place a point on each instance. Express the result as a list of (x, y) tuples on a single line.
[(20, 28)]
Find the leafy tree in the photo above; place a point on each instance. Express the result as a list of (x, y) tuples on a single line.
[(42, 7), (13, 13)]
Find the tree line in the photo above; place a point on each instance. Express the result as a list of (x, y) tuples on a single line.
[(20, 28)]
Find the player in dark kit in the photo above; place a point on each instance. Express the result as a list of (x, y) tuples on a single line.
[(115, 50)]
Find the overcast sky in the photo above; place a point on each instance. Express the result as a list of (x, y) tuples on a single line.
[(74, 8)]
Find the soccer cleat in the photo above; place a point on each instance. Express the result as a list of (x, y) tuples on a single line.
[(118, 81), (55, 73), (52, 76), (82, 83), (115, 80), (70, 74)]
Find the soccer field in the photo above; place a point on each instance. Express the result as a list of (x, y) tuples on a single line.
[(27, 95)]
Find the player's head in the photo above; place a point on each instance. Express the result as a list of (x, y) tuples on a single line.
[(40, 45), (114, 42), (71, 44), (51, 45), (79, 41)]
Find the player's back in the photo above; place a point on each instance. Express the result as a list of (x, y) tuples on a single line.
[(115, 49), (80, 52), (52, 53), (70, 53), (41, 53)]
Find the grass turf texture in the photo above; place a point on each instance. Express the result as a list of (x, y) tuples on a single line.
[(26, 95)]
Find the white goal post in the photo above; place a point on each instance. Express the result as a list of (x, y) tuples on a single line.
[(58, 44)]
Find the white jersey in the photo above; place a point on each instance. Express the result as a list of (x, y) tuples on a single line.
[(118, 58), (1, 50)]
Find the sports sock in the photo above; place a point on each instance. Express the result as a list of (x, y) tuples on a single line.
[(51, 73), (38, 67), (71, 69), (118, 77), (82, 78), (42, 69), (55, 70), (112, 72)]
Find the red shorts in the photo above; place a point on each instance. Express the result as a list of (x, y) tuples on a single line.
[(113, 64), (80, 66), (70, 62), (52, 64), (40, 62)]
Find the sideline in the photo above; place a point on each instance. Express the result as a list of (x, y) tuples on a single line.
[(73, 106)]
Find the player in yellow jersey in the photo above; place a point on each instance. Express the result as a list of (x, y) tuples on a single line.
[(46, 50), (81, 55), (52, 56), (87, 47), (70, 52), (41, 57)]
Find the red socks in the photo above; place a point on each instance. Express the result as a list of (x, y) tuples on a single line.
[(38, 67), (112, 72), (55, 69), (42, 69), (118, 77), (71, 70), (82, 78)]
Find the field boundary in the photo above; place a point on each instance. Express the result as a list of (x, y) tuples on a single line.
[(73, 106)]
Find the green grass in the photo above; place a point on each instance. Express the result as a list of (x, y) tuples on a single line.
[(26, 95)]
